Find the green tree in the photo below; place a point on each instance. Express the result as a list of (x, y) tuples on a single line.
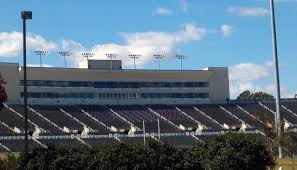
[(247, 95), (235, 151), (289, 142), (3, 95)]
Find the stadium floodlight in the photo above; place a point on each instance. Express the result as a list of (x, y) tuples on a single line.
[(278, 118), (65, 54), (25, 15), (111, 57), (134, 57), (88, 55), (159, 57), (40, 53), (181, 58)]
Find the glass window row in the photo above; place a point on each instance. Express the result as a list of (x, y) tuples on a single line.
[(115, 95), (108, 84)]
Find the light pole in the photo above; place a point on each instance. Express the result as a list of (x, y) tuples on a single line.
[(25, 15), (159, 57), (87, 55), (40, 53), (134, 57), (181, 58), (278, 118), (64, 54), (111, 56)]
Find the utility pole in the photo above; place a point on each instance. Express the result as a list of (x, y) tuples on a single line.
[(278, 118), (25, 15)]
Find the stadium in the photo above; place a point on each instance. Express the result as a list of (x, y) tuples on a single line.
[(101, 103)]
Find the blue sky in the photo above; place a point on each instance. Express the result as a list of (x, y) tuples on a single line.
[(233, 33)]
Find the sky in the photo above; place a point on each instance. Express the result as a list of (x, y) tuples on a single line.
[(210, 33)]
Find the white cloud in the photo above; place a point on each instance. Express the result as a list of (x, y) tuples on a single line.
[(249, 71), (38, 65), (248, 11), (243, 77), (11, 43), (247, 76), (226, 30), (144, 43), (162, 11)]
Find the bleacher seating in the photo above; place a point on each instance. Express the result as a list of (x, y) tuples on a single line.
[(219, 115), (17, 145), (174, 116), (103, 114), (58, 117), (292, 105), (135, 114), (5, 131), (244, 116), (99, 141), (13, 120), (200, 117), (36, 119), (258, 111), (285, 114), (77, 113), (180, 141), (60, 141), (138, 114)]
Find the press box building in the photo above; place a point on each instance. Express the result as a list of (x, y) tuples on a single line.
[(106, 82)]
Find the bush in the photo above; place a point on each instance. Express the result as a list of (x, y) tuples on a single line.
[(9, 162), (229, 151), (235, 151)]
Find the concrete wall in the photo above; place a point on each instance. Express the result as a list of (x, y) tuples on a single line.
[(219, 84)]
